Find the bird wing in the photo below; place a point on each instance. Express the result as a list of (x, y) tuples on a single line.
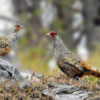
[(73, 60), (70, 66)]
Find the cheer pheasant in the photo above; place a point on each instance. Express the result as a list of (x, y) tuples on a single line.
[(6, 43), (70, 64)]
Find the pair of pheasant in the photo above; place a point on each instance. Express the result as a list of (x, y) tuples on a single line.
[(70, 64)]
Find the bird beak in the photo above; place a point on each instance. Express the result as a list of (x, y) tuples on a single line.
[(21, 26), (47, 34)]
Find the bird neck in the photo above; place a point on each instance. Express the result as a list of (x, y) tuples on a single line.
[(58, 42), (15, 30), (14, 35), (59, 46), (13, 38)]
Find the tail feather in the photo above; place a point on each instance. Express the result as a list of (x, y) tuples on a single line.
[(90, 70)]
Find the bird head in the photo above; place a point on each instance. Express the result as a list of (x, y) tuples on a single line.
[(52, 34), (17, 28)]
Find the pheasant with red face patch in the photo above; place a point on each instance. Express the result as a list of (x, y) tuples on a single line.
[(70, 64), (6, 43)]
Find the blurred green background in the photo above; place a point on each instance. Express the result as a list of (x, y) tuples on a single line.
[(76, 21)]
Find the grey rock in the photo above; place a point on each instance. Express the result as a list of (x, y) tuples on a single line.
[(38, 75), (4, 74), (6, 69), (10, 73), (66, 92), (63, 86), (28, 74), (24, 84)]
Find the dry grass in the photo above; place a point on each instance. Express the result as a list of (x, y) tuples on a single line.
[(35, 92)]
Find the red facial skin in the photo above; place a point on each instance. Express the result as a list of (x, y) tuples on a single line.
[(53, 34), (17, 26)]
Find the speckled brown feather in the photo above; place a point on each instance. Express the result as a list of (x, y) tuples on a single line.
[(5, 46), (69, 70)]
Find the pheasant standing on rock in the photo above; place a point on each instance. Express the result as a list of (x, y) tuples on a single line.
[(6, 43), (70, 64)]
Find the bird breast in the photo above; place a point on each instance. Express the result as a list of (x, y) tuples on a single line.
[(4, 47)]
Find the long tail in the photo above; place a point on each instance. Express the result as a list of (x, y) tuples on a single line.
[(90, 70)]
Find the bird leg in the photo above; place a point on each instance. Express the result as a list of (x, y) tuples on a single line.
[(81, 81), (71, 80)]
